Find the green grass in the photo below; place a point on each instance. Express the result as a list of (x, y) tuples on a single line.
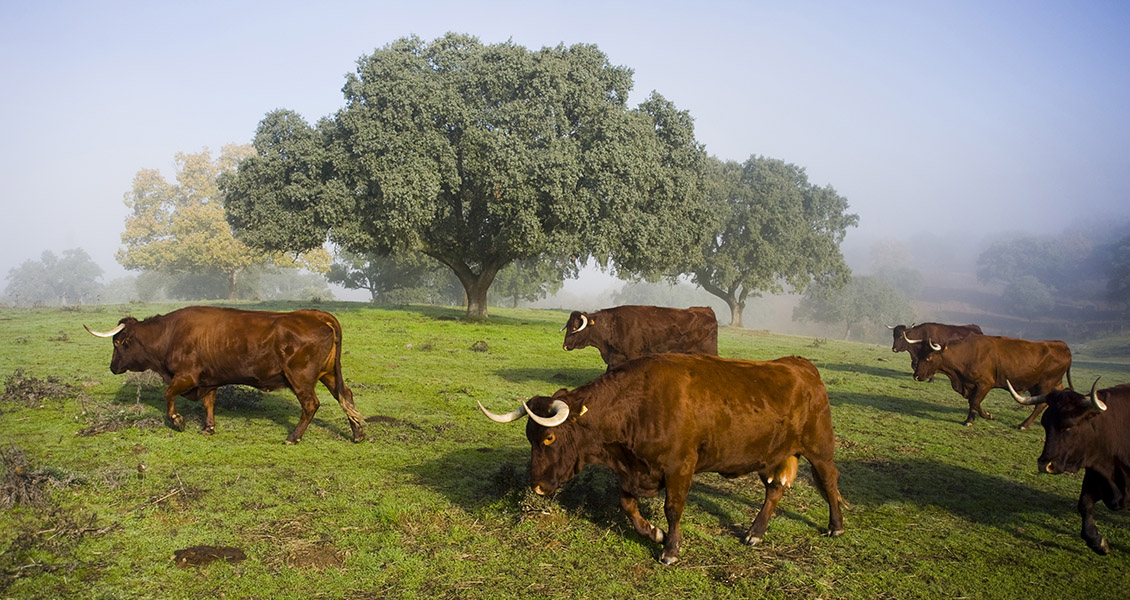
[(436, 502)]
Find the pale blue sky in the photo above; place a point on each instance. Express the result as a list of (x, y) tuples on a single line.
[(968, 118)]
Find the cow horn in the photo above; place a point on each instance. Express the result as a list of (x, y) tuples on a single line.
[(936, 347), (560, 413), (1025, 400), (584, 323), (1094, 397), (891, 327), (513, 415), (908, 340), (103, 334)]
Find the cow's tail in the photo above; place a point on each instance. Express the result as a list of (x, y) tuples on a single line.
[(1070, 385), (344, 398)]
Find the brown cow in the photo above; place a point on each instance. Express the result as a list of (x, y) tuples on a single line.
[(1089, 432), (623, 333), (200, 348), (913, 338), (979, 363), (658, 420)]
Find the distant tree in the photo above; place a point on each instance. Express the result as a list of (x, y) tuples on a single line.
[(382, 275), (478, 156), (679, 294), (865, 304), (180, 229), (532, 279), (777, 230), (1028, 297), (904, 279), (52, 280), (1055, 260)]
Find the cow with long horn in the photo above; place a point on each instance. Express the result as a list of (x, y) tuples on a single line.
[(198, 349), (658, 420), (1088, 432), (912, 338), (623, 333), (977, 364)]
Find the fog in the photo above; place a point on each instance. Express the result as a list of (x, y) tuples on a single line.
[(945, 125)]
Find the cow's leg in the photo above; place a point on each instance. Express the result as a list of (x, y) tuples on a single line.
[(345, 399), (773, 493), (631, 507), (179, 384), (1090, 534), (976, 395), (209, 401), (678, 486), (309, 402), (1039, 408), (827, 477)]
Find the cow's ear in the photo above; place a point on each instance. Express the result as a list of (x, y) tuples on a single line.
[(560, 392)]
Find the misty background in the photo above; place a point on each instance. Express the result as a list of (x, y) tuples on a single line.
[(948, 128)]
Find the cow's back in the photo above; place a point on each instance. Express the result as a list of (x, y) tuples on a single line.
[(732, 413), (641, 330)]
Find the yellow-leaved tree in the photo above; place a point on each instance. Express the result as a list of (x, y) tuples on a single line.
[(180, 227)]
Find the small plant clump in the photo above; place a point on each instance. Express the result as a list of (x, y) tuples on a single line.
[(32, 391), (26, 485)]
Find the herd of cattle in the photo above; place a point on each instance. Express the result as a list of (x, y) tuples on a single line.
[(667, 406)]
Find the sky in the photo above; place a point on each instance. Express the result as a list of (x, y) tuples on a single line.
[(948, 119)]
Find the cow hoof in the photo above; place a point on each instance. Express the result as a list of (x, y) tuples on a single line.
[(967, 423), (177, 422), (668, 560), (752, 540), (1102, 548), (290, 442), (1022, 427), (208, 430), (835, 532), (357, 439)]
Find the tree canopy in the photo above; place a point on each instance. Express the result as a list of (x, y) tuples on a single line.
[(480, 155), (180, 228), (776, 229), (866, 303), (50, 280)]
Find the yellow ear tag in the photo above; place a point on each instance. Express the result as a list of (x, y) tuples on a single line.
[(549, 439), (584, 409)]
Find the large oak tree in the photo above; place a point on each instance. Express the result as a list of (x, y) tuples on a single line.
[(777, 229), (480, 155)]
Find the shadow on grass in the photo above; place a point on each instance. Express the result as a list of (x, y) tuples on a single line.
[(569, 378), (891, 372), (276, 408), (904, 406), (976, 497)]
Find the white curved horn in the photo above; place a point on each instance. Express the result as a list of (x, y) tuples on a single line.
[(103, 334), (584, 323), (513, 415), (1025, 400), (557, 417), (908, 340), (1093, 397), (935, 346)]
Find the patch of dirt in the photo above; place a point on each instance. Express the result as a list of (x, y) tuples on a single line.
[(294, 545), (25, 484), (108, 419)]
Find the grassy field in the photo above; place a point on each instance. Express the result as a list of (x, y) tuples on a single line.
[(98, 495)]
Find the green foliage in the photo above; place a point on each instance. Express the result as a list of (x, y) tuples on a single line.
[(532, 279), (777, 230), (437, 504), (52, 280), (1027, 297), (1055, 260), (402, 278), (479, 155), (864, 307), (1118, 265)]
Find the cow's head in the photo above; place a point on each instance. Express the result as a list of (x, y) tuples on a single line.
[(900, 343), (579, 330), (1069, 427), (929, 362), (128, 353), (557, 442)]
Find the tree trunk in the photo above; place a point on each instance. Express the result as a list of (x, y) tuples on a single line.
[(475, 285), (233, 291), (477, 300), (736, 309)]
